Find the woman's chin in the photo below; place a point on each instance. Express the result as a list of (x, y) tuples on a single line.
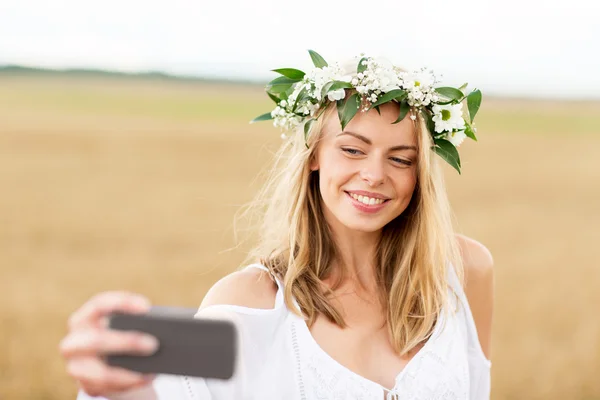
[(364, 227)]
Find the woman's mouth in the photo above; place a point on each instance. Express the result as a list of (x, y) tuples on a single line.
[(365, 203)]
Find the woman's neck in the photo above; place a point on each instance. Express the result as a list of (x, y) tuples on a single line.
[(356, 256)]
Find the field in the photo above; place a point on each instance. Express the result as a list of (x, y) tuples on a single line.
[(133, 184)]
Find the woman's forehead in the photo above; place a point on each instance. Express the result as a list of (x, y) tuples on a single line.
[(376, 127)]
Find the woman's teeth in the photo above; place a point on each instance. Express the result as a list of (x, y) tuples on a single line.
[(366, 200)]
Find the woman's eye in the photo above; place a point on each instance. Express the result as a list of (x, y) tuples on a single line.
[(401, 161), (354, 152)]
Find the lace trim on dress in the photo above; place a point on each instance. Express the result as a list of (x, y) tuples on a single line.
[(296, 348), (189, 390)]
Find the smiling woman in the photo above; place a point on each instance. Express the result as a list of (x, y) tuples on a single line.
[(355, 287), (351, 163)]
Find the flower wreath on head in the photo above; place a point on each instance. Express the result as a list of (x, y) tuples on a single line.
[(302, 97)]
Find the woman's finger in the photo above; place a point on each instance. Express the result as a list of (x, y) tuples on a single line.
[(92, 342), (91, 313)]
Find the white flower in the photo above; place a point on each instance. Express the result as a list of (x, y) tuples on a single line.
[(361, 89), (417, 95), (419, 86), (423, 79), (277, 111), (321, 76), (284, 119), (336, 95), (380, 76), (456, 138), (307, 108), (448, 117)]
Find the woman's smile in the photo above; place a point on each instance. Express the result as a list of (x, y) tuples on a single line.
[(367, 204)]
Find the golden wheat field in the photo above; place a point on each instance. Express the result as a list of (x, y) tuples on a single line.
[(133, 184)]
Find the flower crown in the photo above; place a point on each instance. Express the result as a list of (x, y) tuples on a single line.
[(301, 98)]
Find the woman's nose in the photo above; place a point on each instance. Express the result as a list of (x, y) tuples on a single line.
[(373, 172)]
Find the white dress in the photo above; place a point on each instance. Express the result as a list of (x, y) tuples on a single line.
[(281, 360)]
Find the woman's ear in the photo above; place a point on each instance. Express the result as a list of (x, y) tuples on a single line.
[(314, 163)]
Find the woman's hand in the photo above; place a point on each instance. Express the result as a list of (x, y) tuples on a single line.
[(88, 339)]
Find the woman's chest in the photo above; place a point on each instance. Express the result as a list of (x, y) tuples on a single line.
[(439, 370), (363, 347)]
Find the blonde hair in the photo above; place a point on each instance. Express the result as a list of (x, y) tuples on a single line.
[(414, 252)]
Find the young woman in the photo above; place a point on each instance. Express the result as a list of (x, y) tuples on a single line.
[(357, 288)]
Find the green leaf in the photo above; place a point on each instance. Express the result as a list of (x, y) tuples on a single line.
[(470, 131), (428, 121), (288, 92), (404, 107), (361, 68), (450, 92), (264, 117), (303, 93), (378, 110), (325, 89), (282, 80), (278, 90), (340, 85), (280, 85), (291, 73), (448, 152), (396, 94), (307, 127), (274, 98), (347, 109), (285, 94), (317, 59), (463, 87), (473, 102)]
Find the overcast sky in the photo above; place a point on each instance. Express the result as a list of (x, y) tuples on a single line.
[(533, 48)]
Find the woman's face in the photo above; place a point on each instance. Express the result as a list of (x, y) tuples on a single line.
[(367, 173)]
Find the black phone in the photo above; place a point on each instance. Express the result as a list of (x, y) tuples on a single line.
[(205, 348)]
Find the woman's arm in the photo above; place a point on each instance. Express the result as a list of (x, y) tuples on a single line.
[(249, 288)]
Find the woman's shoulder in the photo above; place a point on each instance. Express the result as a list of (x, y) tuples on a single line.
[(477, 259), (251, 299), (479, 286), (251, 288)]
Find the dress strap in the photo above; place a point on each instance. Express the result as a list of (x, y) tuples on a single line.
[(259, 266), (279, 297)]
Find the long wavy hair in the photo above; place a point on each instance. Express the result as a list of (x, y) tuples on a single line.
[(411, 261)]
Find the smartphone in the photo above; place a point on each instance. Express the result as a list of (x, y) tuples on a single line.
[(205, 348)]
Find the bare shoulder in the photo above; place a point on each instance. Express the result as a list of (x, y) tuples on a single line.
[(479, 287), (476, 257), (251, 287)]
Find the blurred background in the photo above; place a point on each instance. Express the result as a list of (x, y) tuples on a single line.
[(125, 151)]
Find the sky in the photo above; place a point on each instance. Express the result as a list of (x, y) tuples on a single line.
[(524, 48)]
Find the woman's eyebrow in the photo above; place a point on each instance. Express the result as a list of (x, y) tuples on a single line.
[(368, 141)]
